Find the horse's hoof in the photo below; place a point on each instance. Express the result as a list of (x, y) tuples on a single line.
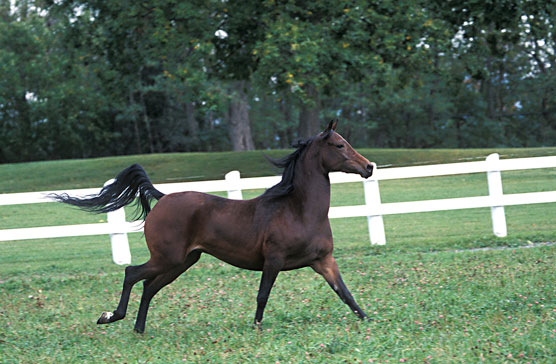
[(105, 318), (139, 330)]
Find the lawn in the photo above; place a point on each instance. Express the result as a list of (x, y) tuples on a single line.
[(497, 306), (429, 301), (182, 167)]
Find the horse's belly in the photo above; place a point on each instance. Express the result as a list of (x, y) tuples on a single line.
[(239, 260), (235, 248)]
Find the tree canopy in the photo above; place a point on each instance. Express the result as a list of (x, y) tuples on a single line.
[(82, 78)]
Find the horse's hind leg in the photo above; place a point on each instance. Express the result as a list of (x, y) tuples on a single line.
[(133, 274), (328, 268), (152, 286)]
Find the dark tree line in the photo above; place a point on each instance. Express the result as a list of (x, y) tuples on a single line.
[(96, 78)]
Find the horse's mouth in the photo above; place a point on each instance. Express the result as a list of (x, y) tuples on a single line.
[(368, 170)]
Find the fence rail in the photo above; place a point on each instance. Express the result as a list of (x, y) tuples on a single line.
[(373, 209)]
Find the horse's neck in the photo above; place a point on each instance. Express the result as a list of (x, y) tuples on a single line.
[(312, 188)]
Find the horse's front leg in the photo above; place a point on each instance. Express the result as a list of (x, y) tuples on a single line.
[(271, 268), (328, 268)]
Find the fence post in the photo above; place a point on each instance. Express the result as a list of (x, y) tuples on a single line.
[(375, 222), (234, 192), (494, 179), (120, 244)]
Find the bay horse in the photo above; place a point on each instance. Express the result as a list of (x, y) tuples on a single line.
[(285, 228)]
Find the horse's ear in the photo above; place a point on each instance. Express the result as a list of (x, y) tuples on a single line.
[(331, 126)]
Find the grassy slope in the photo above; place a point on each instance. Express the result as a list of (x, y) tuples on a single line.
[(429, 303), (37, 176)]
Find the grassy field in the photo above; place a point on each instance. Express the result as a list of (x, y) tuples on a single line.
[(430, 303), (164, 168)]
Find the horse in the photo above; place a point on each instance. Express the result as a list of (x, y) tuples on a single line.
[(285, 228)]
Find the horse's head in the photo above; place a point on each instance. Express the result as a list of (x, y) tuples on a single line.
[(338, 155)]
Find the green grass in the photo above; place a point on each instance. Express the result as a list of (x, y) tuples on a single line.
[(439, 308), (429, 303), (164, 168)]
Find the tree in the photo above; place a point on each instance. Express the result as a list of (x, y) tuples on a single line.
[(318, 50), (46, 98), (501, 50), (239, 31), (83, 78), (155, 57)]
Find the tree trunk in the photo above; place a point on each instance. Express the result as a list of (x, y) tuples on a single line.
[(286, 134), (135, 125), (458, 131), (26, 145), (192, 125), (239, 126), (147, 122), (309, 116)]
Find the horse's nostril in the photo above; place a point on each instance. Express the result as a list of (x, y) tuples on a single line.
[(369, 167)]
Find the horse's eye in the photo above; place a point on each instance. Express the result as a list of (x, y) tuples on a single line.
[(340, 146)]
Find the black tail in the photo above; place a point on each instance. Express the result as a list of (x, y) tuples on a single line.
[(131, 182)]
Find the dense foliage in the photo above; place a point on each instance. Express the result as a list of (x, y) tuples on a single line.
[(84, 78)]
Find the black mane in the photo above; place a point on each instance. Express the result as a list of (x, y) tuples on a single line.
[(285, 186)]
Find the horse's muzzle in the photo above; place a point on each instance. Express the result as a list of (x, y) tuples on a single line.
[(369, 169)]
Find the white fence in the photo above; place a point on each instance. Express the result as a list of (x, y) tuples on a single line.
[(118, 228)]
